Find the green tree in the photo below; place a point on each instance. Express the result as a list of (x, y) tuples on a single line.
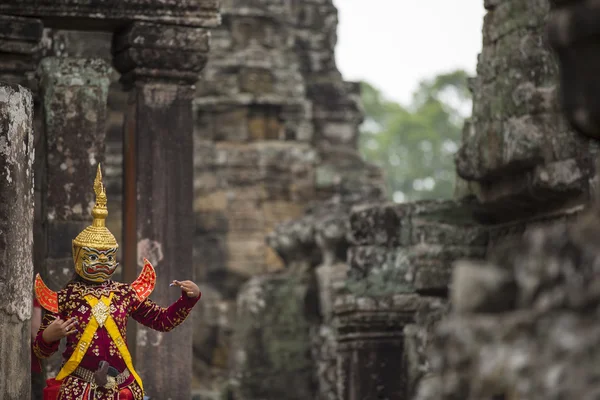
[(415, 144)]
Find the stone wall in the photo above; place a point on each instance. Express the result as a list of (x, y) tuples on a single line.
[(400, 263), (284, 343), (531, 174), (254, 166), (521, 167), (518, 148), (276, 130), (523, 324)]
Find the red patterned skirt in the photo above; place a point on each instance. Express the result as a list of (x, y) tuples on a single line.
[(53, 388)]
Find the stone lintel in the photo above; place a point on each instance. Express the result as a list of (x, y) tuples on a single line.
[(107, 14), (20, 35), (20, 40), (436, 221), (155, 52)]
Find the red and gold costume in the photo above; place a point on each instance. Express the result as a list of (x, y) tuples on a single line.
[(101, 308)]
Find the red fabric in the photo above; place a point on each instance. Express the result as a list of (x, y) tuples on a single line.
[(52, 388), (125, 394), (36, 366)]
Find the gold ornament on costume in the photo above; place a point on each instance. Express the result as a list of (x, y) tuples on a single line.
[(95, 248)]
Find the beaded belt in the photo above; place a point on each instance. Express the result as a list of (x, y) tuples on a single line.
[(88, 376)]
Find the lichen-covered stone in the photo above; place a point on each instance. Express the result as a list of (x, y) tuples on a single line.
[(370, 345), (543, 344), (418, 337), (481, 287), (516, 128), (317, 239), (271, 344), (157, 52), (16, 239), (74, 93), (402, 248)]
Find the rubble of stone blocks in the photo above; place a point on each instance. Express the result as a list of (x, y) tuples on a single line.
[(405, 251), (524, 324), (407, 248)]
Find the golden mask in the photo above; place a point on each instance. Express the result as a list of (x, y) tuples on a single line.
[(95, 248)]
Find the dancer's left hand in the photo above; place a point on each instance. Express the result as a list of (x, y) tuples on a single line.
[(189, 287)]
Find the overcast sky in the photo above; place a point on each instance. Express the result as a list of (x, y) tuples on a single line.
[(395, 43)]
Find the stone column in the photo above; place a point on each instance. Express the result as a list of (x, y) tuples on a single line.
[(371, 345), (21, 47), (16, 240), (74, 93), (160, 65)]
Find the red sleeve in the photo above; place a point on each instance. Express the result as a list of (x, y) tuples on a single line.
[(159, 318), (36, 303), (40, 348)]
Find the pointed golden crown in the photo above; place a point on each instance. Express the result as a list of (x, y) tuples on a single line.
[(97, 235)]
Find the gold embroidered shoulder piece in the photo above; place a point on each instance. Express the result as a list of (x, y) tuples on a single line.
[(144, 284), (46, 297)]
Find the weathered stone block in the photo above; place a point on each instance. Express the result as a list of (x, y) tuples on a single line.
[(161, 52), (20, 36), (271, 354), (256, 81), (417, 340), (16, 239), (381, 271), (371, 345), (516, 128), (74, 94), (481, 287), (500, 342)]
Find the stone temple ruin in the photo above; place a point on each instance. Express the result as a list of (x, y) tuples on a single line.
[(234, 161)]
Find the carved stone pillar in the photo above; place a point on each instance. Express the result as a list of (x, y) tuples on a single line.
[(160, 65), (371, 345), (21, 47), (16, 240), (73, 93)]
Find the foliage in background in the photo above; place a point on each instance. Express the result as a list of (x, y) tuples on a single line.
[(415, 144)]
